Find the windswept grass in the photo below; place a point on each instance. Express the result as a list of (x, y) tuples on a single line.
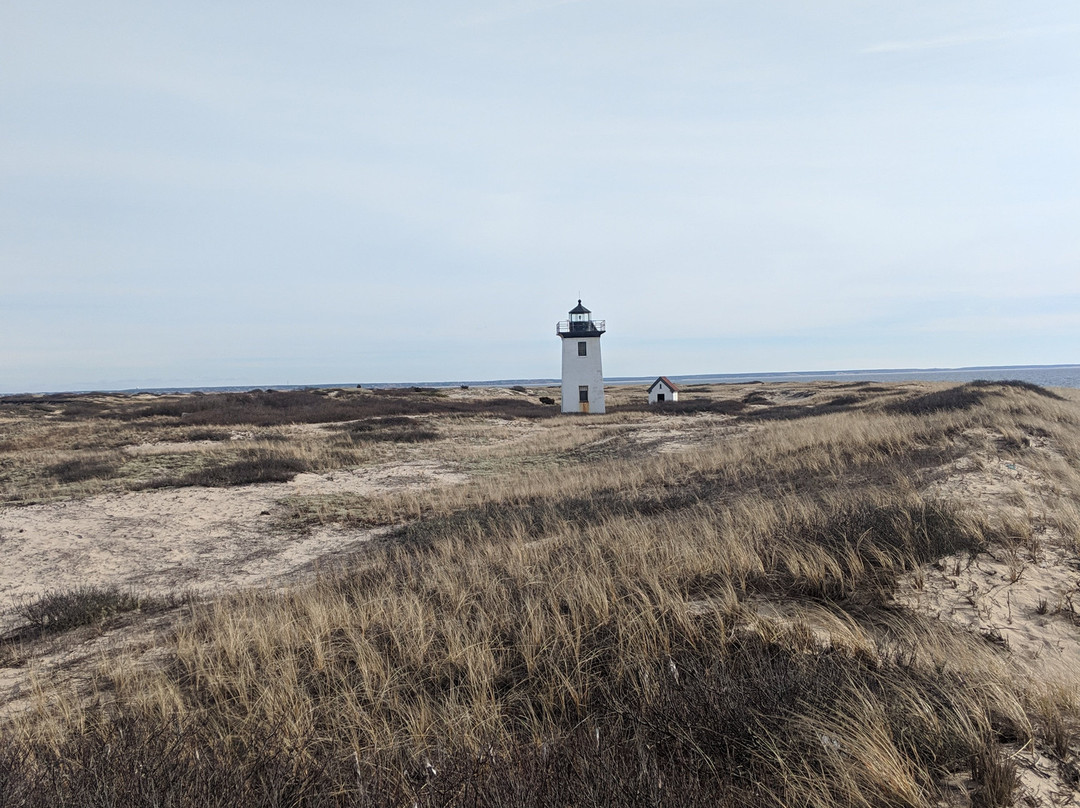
[(714, 627), (1017, 384), (965, 397)]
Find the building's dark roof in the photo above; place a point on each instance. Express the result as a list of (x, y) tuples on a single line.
[(671, 385), (579, 309)]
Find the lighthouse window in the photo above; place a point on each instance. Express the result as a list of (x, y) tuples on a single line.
[(582, 348), (583, 393)]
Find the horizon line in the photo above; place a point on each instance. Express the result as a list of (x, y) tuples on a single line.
[(164, 389)]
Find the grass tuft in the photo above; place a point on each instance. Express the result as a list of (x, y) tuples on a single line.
[(59, 611), (996, 778)]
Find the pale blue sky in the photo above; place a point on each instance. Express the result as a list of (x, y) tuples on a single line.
[(208, 193)]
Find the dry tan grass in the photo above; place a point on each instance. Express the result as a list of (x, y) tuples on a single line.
[(727, 608)]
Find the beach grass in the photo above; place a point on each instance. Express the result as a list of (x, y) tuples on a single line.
[(614, 625)]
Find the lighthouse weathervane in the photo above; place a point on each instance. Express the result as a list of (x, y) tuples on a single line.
[(582, 376)]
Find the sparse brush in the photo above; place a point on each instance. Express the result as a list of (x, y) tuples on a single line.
[(86, 467), (270, 407), (347, 510), (589, 622), (393, 429), (254, 467), (207, 434), (58, 611)]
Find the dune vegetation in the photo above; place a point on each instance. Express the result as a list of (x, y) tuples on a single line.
[(697, 605)]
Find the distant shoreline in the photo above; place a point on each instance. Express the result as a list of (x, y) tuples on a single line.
[(1062, 375)]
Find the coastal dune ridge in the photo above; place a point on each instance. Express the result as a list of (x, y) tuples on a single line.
[(797, 592)]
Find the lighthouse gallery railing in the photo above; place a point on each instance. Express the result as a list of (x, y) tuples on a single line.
[(584, 328)]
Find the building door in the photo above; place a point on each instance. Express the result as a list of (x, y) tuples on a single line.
[(659, 396), (583, 397)]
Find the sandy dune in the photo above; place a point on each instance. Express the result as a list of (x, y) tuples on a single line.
[(213, 539), (169, 540)]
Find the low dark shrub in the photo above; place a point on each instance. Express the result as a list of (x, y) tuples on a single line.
[(58, 611), (963, 397), (83, 408), (789, 412), (392, 429), (1018, 385), (547, 400), (784, 412), (273, 408), (81, 469), (953, 399), (259, 467), (68, 406), (510, 408), (694, 405), (208, 434), (517, 388)]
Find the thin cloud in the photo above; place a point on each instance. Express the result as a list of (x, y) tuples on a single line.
[(960, 40), (1052, 323), (519, 10)]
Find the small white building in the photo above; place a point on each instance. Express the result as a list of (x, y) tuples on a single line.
[(582, 375), (663, 389)]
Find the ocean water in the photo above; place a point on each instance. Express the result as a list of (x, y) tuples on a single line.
[(1044, 375)]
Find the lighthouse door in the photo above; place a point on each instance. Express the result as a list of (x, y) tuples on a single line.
[(583, 397)]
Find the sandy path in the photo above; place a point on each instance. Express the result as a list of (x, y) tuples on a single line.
[(199, 539)]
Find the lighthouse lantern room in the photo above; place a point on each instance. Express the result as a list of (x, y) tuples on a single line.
[(582, 376)]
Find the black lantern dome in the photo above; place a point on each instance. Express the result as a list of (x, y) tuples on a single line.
[(580, 324)]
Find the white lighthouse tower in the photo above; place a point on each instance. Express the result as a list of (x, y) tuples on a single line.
[(582, 377)]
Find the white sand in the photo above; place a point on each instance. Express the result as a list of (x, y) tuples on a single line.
[(186, 539)]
